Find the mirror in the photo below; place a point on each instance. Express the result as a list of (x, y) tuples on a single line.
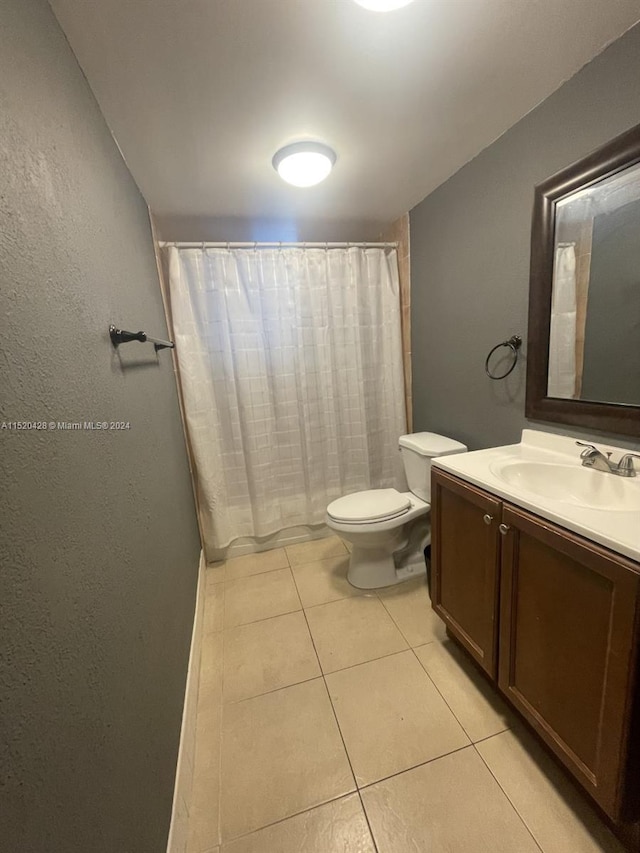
[(584, 299)]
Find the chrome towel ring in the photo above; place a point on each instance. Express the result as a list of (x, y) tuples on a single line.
[(514, 343)]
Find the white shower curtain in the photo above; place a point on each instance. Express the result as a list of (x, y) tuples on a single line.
[(291, 367), (562, 333)]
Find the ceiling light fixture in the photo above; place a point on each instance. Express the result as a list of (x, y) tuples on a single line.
[(304, 164), (383, 5)]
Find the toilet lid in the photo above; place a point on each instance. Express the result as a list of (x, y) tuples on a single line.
[(372, 505)]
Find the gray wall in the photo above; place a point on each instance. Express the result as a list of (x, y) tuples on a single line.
[(99, 540), (470, 251)]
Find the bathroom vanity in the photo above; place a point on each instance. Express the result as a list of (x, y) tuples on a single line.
[(536, 573)]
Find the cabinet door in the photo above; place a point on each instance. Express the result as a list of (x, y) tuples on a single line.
[(566, 646), (464, 565)]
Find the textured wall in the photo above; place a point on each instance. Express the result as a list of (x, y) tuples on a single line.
[(470, 243), (99, 541)]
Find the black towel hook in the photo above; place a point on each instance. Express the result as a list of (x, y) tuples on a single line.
[(119, 336)]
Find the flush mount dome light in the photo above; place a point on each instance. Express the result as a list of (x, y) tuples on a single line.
[(383, 5), (304, 164)]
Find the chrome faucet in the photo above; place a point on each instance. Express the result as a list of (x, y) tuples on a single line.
[(594, 458)]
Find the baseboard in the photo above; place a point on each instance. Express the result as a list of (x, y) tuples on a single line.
[(179, 829), (290, 536)]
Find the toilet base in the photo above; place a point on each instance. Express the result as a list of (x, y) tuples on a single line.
[(413, 571), (369, 569)]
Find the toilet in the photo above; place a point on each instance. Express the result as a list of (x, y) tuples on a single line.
[(388, 530)]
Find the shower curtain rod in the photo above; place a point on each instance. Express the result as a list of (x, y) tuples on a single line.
[(277, 245)]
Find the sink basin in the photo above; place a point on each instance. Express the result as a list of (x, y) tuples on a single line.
[(571, 484)]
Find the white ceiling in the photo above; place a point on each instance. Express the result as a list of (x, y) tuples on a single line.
[(201, 93)]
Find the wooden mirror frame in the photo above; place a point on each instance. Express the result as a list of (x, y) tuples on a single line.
[(619, 154)]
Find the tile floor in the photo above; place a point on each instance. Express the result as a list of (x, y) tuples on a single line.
[(333, 721)]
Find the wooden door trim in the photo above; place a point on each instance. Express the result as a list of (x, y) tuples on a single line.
[(465, 489), (566, 541)]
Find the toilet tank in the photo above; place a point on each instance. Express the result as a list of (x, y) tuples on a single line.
[(418, 449)]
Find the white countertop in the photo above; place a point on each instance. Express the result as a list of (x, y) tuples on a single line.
[(618, 530)]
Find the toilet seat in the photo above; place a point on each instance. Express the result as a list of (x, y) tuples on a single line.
[(373, 505)]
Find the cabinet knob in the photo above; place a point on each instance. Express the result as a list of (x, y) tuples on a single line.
[(487, 518), (504, 529)]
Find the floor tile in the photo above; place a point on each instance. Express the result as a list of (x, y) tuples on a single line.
[(560, 819), (179, 825), (352, 631), (476, 704), (267, 655), (451, 805), (214, 573), (337, 827), (409, 606), (204, 812), (391, 717), (281, 754), (324, 581), (316, 549), (213, 608), (211, 663), (255, 564), (259, 597)]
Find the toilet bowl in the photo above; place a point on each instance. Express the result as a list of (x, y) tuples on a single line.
[(388, 530)]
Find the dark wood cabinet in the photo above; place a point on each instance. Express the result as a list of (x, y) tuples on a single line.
[(555, 624), (567, 621), (465, 553)]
